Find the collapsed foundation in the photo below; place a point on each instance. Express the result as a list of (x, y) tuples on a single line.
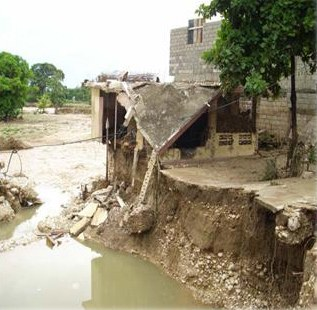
[(222, 243)]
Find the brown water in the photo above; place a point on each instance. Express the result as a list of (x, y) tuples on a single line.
[(79, 276), (76, 276)]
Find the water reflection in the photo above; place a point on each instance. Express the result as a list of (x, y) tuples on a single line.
[(73, 276), (121, 280)]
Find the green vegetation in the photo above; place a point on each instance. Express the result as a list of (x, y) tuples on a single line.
[(78, 95), (44, 103), (14, 77), (47, 80), (257, 46)]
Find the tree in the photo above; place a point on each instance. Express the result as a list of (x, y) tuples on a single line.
[(258, 43), (14, 79), (81, 94), (48, 79), (43, 103)]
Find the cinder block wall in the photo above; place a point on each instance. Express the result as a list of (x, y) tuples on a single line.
[(274, 116), (185, 59), (186, 65)]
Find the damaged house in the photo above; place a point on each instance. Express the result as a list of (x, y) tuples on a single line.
[(174, 123)]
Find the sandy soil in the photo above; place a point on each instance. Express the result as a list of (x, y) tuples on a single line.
[(65, 166)]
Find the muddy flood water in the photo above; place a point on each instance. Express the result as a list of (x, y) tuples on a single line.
[(78, 275)]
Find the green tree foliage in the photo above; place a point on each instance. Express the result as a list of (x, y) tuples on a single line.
[(48, 80), (258, 43), (14, 79), (79, 94), (43, 103)]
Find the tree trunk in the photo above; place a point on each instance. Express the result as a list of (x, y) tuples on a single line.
[(291, 162), (254, 106), (253, 119)]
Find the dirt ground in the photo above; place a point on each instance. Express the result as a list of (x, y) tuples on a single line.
[(48, 128), (65, 166)]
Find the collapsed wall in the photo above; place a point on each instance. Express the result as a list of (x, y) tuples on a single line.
[(220, 242)]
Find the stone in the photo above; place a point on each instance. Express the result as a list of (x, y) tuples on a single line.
[(102, 195), (79, 227), (99, 217), (44, 227), (6, 212), (14, 191), (89, 210), (220, 254), (81, 237), (293, 223), (121, 203)]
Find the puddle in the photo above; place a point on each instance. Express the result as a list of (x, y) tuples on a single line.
[(76, 276), (26, 220)]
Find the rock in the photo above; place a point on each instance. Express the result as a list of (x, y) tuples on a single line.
[(89, 210), (169, 218), (293, 223), (102, 195), (6, 212), (16, 206), (232, 267), (44, 227), (14, 191), (79, 227), (81, 237), (121, 203), (99, 217), (220, 254), (140, 220)]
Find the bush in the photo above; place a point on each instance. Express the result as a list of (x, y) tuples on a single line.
[(44, 103), (267, 141)]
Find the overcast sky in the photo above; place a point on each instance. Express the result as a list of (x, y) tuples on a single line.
[(85, 38)]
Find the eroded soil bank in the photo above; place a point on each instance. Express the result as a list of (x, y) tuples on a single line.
[(219, 242)]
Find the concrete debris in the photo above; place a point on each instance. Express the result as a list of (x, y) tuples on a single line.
[(99, 217), (102, 195), (120, 201), (79, 227), (89, 210)]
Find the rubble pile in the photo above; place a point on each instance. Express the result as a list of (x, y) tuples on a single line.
[(13, 198)]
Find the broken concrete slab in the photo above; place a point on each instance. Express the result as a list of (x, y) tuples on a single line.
[(79, 227), (89, 210), (102, 194), (121, 203), (99, 217)]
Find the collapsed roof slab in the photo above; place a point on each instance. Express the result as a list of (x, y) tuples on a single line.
[(167, 110)]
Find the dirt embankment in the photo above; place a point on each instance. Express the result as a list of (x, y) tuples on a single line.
[(218, 242)]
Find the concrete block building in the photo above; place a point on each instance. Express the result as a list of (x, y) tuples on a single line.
[(186, 47)]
